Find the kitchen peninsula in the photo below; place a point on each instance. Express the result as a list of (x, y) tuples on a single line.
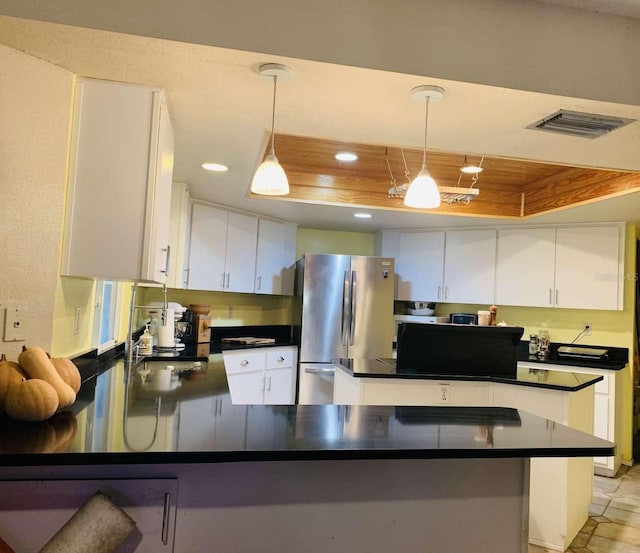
[(338, 478), (561, 489)]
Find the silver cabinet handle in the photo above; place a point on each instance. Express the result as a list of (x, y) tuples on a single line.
[(228, 279), (280, 359), (262, 384), (259, 282), (167, 260), (244, 363), (186, 279), (446, 292), (165, 518), (223, 277), (556, 296), (269, 385), (319, 371), (550, 297), (439, 291)]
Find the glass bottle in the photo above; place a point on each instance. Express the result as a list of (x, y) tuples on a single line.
[(533, 344)]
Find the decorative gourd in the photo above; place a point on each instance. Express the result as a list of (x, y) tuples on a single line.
[(10, 375), (36, 364), (32, 400), (67, 371)]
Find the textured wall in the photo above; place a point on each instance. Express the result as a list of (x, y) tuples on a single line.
[(35, 111)]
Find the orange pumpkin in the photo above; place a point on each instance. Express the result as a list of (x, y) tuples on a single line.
[(36, 364), (10, 375), (32, 400)]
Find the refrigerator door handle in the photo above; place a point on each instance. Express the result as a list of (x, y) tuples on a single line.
[(345, 310), (352, 324)]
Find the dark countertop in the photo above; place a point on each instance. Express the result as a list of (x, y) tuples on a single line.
[(539, 378), (119, 420), (616, 359)]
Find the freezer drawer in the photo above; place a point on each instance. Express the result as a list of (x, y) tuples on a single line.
[(316, 383)]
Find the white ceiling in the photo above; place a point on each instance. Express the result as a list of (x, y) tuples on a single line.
[(221, 112)]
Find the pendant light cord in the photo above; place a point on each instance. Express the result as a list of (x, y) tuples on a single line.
[(273, 114), (426, 127)]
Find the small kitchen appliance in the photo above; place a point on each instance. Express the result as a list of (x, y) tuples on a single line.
[(463, 318), (197, 330)]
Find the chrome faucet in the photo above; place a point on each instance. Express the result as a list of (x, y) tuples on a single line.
[(130, 345)]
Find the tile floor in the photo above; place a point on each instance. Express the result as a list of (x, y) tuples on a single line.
[(614, 522)]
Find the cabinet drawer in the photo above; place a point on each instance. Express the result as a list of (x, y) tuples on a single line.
[(602, 387), (279, 358), (243, 361)]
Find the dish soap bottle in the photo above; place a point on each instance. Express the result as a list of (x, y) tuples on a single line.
[(146, 342)]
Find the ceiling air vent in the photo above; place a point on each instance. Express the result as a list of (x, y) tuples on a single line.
[(584, 125)]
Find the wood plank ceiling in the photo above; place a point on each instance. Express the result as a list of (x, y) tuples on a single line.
[(509, 188)]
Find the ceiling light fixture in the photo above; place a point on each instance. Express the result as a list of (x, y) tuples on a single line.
[(470, 168), (216, 167), (362, 215), (346, 156), (270, 178), (423, 190)]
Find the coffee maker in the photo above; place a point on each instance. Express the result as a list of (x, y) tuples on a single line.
[(197, 330)]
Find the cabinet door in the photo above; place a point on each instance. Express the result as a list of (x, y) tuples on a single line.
[(115, 208), (279, 386), (419, 266), (246, 388), (33, 511), (240, 260), (588, 268), (470, 266), (525, 267), (157, 250), (270, 255), (207, 248)]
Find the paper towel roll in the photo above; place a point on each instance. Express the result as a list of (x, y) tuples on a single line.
[(100, 526), (167, 331)]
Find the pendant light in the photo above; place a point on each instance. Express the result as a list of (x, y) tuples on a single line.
[(270, 178), (423, 190)]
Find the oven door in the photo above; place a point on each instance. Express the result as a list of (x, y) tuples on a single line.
[(315, 383)]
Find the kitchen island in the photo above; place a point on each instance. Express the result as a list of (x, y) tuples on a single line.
[(561, 489), (314, 478)]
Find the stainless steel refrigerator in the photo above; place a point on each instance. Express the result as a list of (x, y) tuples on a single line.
[(344, 310)]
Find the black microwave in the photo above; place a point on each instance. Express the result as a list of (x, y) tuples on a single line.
[(463, 318)]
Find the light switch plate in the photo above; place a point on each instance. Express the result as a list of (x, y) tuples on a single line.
[(13, 327)]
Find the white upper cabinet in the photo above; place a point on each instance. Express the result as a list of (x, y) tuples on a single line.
[(589, 267), (419, 266), (470, 266), (119, 190), (275, 257), (222, 249), (525, 267)]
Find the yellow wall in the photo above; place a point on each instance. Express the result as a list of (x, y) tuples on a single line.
[(333, 241)]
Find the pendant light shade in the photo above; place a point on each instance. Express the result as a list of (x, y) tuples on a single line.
[(423, 191), (270, 178)]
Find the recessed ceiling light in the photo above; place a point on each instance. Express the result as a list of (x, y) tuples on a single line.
[(217, 167), (362, 215), (346, 156)]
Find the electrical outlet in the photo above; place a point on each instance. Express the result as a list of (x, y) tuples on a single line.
[(587, 329), (443, 393), (13, 327)]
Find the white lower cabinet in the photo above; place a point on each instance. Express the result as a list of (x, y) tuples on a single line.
[(262, 375), (33, 511)]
